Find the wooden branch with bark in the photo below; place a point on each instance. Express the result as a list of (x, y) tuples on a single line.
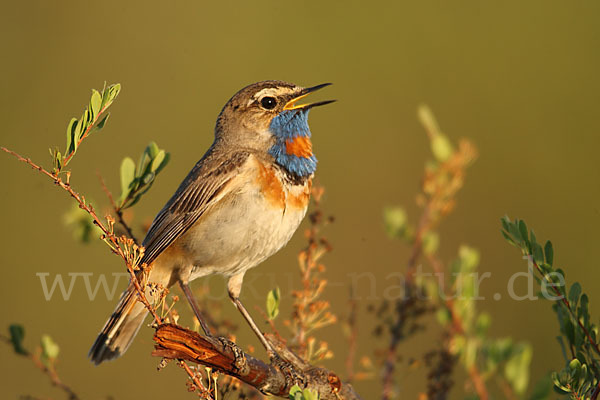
[(175, 342)]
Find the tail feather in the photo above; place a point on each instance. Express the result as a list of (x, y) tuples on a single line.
[(120, 329)]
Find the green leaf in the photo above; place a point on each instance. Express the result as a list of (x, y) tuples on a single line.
[(147, 180), (532, 237), (85, 119), (151, 162), (127, 177), (163, 164), (441, 147), (157, 160), (81, 225), (71, 135), (483, 323), (523, 229), (395, 221), (574, 294), (17, 334), (431, 242), (443, 316), (579, 338), (538, 253), (310, 395), (516, 369), (273, 298), (152, 149), (50, 349), (113, 91), (575, 367), (505, 222), (102, 122), (560, 382), (295, 393), (513, 229), (562, 346), (427, 119), (569, 331), (582, 312), (132, 201), (470, 354), (549, 252), (469, 258), (95, 102), (143, 163), (79, 128), (109, 95), (508, 238), (57, 159), (105, 97)]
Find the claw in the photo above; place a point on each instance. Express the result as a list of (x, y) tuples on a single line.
[(240, 363), (293, 376)]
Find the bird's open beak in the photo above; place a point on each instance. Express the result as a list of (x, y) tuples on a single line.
[(291, 105)]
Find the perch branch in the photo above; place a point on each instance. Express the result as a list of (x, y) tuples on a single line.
[(175, 342)]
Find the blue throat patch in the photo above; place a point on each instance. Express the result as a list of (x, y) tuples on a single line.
[(288, 125)]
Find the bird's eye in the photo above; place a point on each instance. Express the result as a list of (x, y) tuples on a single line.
[(268, 103)]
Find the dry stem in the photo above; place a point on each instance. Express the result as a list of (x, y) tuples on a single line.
[(176, 342), (439, 189)]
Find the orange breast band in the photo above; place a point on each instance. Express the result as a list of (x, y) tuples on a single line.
[(300, 146), (271, 186)]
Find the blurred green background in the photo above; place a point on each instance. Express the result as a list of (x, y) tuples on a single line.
[(518, 78)]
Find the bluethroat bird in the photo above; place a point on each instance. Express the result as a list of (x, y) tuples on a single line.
[(240, 204)]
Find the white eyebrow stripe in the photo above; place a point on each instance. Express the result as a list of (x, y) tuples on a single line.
[(274, 92), (267, 92), (262, 93)]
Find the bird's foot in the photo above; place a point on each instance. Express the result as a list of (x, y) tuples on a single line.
[(292, 374), (240, 363)]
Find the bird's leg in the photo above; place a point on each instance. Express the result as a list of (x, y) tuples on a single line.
[(293, 376), (240, 359), (192, 300), (248, 318), (234, 287)]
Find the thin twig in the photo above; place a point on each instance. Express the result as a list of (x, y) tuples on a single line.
[(53, 375), (353, 338), (113, 241), (438, 195), (85, 134), (197, 384), (507, 390), (402, 307), (567, 304), (47, 369), (118, 211), (478, 382), (457, 328)]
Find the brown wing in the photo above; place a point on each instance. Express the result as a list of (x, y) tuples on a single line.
[(202, 188)]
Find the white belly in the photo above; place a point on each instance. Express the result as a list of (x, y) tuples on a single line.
[(244, 229)]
